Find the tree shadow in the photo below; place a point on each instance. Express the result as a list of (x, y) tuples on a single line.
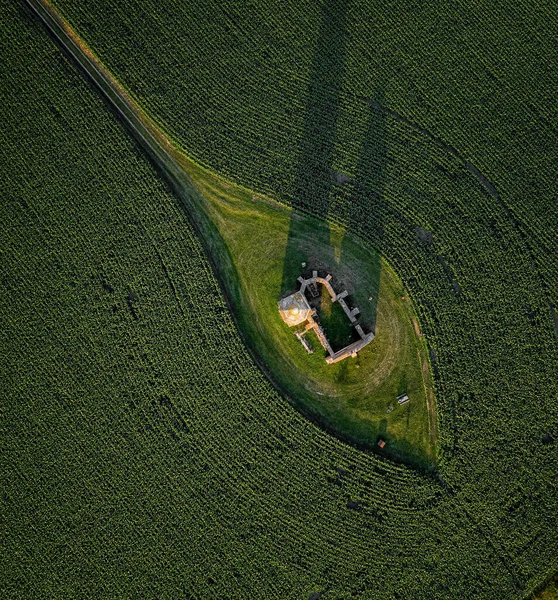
[(313, 244)]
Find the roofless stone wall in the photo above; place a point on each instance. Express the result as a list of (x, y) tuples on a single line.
[(294, 310)]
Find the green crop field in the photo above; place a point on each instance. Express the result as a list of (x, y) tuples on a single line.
[(162, 433)]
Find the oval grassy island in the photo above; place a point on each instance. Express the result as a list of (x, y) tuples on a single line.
[(261, 249)]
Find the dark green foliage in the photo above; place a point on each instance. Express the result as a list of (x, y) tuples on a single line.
[(143, 454)]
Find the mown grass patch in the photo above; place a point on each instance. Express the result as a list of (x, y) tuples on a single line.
[(261, 248), (334, 321)]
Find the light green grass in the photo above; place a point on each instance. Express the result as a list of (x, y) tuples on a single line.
[(550, 592), (265, 245)]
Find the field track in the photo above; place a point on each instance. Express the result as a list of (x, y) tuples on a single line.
[(141, 126)]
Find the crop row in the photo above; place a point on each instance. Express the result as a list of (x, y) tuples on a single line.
[(160, 452)]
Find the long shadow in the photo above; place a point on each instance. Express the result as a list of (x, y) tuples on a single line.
[(311, 244), (366, 206), (314, 179)]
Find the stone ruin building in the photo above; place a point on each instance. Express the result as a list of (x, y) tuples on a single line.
[(295, 310)]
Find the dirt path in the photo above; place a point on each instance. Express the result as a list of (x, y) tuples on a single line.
[(148, 134)]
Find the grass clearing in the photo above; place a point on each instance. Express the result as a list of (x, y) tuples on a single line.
[(267, 244)]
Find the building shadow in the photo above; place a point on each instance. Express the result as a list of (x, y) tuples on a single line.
[(313, 176), (318, 189), (366, 206)]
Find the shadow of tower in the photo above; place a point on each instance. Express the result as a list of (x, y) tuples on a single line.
[(318, 189), (314, 180), (366, 206)]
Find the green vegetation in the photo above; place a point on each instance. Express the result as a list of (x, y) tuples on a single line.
[(235, 226), (143, 452), (474, 79), (267, 246), (337, 326)]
